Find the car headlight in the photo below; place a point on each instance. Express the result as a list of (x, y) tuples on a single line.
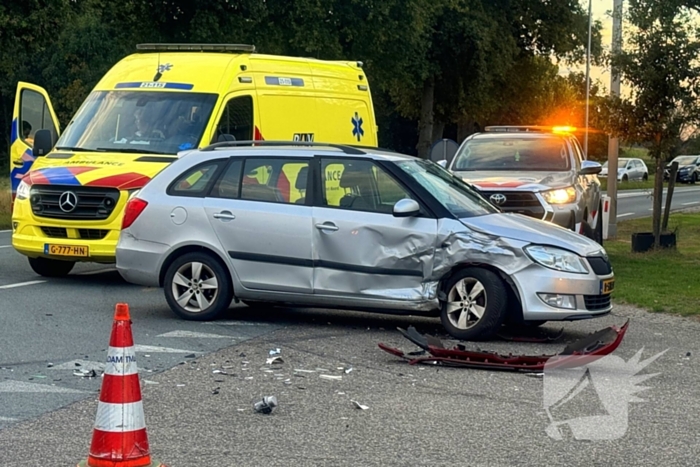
[(684, 169), (556, 258), (23, 190), (560, 196)]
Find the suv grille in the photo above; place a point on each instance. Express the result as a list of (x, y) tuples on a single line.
[(597, 302), (601, 266), (91, 203), (518, 202)]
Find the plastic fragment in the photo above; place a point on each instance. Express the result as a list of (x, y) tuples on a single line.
[(266, 405), (331, 377), (275, 352), (274, 360), (359, 406)]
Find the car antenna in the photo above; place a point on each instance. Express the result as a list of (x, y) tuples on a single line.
[(158, 73)]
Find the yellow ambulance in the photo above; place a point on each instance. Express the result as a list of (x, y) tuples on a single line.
[(69, 188)]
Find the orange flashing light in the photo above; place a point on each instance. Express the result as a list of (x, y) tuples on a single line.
[(563, 129)]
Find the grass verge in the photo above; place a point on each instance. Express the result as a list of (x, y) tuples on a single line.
[(622, 186), (5, 203), (662, 281)]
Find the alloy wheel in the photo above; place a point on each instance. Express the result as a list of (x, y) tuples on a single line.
[(466, 303), (195, 287)]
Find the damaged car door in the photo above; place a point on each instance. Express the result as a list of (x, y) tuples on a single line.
[(372, 238)]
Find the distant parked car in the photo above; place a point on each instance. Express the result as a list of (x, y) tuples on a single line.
[(688, 169), (360, 229), (628, 169)]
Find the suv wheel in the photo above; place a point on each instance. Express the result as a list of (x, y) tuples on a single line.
[(51, 267), (645, 177), (625, 178), (197, 287), (476, 304)]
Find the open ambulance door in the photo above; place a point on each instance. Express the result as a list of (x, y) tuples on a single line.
[(32, 112)]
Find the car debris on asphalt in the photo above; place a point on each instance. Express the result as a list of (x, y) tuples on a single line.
[(85, 373), (599, 343), (274, 360), (266, 405), (359, 406)]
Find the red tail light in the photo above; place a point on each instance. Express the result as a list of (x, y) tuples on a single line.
[(133, 209)]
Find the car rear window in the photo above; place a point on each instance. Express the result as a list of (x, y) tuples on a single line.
[(521, 154)]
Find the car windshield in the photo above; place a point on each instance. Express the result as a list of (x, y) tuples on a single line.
[(458, 197), (685, 160), (148, 122), (548, 154)]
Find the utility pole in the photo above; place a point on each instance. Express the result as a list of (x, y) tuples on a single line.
[(588, 73), (613, 144)]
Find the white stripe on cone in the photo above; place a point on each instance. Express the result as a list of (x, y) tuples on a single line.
[(121, 361), (120, 417)]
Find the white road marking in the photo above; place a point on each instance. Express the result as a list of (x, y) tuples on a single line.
[(84, 365), (197, 335), (4, 231), (7, 419), (625, 214), (20, 284), (99, 271), (24, 386), (234, 323), (156, 349), (5, 246), (692, 202)]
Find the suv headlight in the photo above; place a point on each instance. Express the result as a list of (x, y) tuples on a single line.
[(556, 258), (23, 190), (560, 196)]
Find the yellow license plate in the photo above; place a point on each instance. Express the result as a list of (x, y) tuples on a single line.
[(607, 286), (66, 250)]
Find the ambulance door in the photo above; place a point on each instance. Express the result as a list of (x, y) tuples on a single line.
[(236, 121), (345, 120), (32, 112)]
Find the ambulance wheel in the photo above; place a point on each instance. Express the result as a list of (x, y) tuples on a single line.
[(51, 267), (476, 304), (197, 287)]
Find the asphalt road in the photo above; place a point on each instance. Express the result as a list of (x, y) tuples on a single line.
[(416, 416), (638, 203)]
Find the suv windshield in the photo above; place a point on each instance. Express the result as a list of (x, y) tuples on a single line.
[(139, 122), (458, 197), (685, 160), (547, 154)]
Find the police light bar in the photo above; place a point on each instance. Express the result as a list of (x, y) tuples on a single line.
[(197, 47)]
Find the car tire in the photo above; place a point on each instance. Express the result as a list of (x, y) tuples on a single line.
[(197, 287), (476, 304), (51, 267), (625, 178), (694, 178), (645, 177)]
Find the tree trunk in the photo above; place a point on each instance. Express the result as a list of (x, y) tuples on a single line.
[(658, 195), (425, 126), (463, 130)]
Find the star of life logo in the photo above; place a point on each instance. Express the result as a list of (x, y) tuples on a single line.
[(605, 385)]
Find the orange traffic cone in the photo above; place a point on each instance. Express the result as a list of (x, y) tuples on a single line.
[(119, 437)]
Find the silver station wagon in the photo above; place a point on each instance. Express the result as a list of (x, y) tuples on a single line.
[(324, 225)]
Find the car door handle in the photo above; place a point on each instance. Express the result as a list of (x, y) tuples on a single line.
[(226, 215), (327, 226)]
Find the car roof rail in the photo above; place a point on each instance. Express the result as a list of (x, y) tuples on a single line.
[(227, 144), (515, 128), (166, 47)]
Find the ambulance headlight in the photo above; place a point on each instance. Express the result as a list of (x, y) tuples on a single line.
[(23, 190)]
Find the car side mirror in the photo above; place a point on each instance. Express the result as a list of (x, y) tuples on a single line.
[(43, 143), (225, 137), (590, 168), (406, 208)]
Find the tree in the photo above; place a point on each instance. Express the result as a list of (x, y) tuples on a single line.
[(661, 67)]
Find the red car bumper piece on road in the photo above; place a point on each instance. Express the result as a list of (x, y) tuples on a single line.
[(576, 354)]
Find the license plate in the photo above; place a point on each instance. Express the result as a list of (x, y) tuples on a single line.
[(607, 286), (66, 250)]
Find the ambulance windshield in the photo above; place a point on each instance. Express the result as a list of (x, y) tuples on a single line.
[(149, 122)]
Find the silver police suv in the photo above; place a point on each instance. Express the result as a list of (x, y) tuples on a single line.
[(540, 172), (323, 225)]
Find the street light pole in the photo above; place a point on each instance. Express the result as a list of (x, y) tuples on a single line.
[(613, 144), (588, 74)]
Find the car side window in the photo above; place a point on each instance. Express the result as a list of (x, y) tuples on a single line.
[(277, 180), (34, 115), (228, 184), (359, 185), (195, 181), (236, 121)]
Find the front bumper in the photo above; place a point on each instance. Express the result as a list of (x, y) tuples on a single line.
[(586, 288), (32, 234)]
